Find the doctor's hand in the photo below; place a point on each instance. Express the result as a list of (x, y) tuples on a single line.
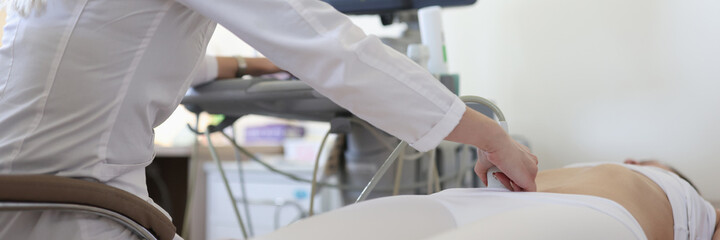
[(229, 67), (261, 66), (496, 148), (518, 166)]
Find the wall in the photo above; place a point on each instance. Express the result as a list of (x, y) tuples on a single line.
[(599, 80)]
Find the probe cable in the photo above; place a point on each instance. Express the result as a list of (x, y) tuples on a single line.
[(300, 179), (398, 150), (193, 165), (227, 184), (393, 156), (195, 162), (313, 185), (243, 188), (398, 172)]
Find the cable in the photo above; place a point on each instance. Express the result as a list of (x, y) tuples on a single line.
[(279, 207), (193, 165), (227, 184), (243, 188), (383, 168), (299, 179), (487, 103), (268, 166), (313, 185), (398, 172), (377, 135), (415, 156), (393, 156), (366, 191), (436, 174), (431, 171), (372, 131), (280, 203)]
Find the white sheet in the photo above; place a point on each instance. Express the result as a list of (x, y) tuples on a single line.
[(460, 213)]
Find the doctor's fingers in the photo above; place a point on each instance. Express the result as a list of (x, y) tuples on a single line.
[(518, 164), (482, 166), (522, 173)]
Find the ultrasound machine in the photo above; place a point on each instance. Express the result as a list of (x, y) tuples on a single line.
[(363, 148)]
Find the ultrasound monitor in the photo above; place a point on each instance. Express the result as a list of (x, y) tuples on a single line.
[(389, 6)]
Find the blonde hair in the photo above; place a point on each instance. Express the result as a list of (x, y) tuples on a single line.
[(24, 7)]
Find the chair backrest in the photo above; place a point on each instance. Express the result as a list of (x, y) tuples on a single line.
[(54, 189)]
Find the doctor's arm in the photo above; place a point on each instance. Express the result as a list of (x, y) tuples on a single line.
[(326, 50), (218, 68), (228, 67)]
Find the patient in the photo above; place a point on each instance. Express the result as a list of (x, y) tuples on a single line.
[(646, 194), (634, 200)]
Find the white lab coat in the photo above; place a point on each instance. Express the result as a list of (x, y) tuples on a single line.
[(83, 84)]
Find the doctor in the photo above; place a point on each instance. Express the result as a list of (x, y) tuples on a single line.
[(220, 68), (83, 83)]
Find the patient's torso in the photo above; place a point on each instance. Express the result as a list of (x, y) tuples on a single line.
[(644, 199)]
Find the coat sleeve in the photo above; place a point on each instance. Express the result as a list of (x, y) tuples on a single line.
[(207, 71), (321, 46)]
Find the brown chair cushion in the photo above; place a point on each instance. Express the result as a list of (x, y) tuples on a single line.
[(54, 189)]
